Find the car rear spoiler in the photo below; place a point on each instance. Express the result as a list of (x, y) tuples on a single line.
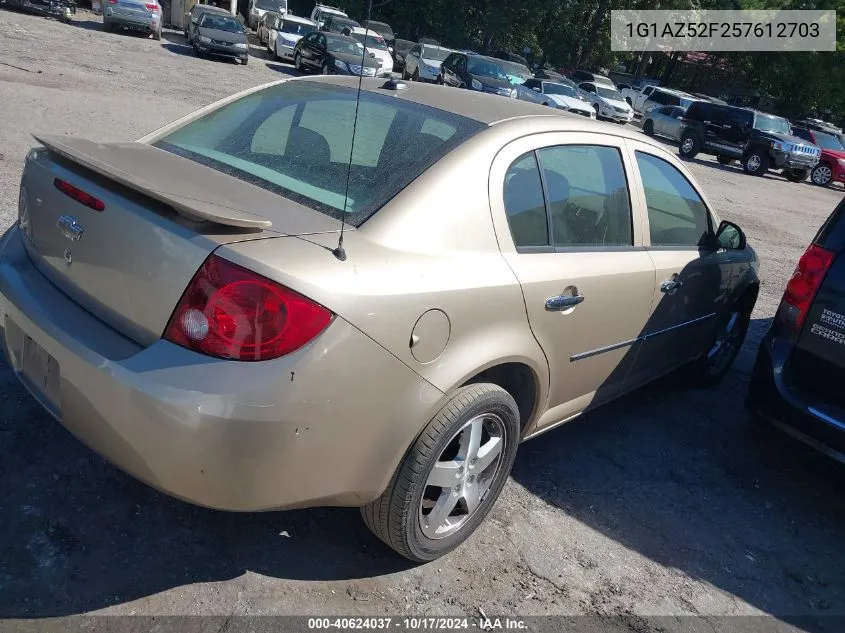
[(158, 174)]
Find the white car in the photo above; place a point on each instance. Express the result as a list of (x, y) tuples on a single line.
[(564, 94), (257, 9), (607, 102), (376, 47), (285, 32), (321, 11), (422, 63)]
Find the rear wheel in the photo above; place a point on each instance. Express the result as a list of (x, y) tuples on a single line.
[(107, 26), (596, 108), (325, 70), (297, 62), (416, 75), (724, 160), (756, 162), (157, 34), (690, 145), (796, 175), (245, 61), (648, 127), (451, 476), (197, 52), (821, 175)]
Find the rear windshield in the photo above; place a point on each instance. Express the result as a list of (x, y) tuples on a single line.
[(295, 139)]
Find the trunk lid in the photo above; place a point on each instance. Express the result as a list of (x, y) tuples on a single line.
[(163, 215)]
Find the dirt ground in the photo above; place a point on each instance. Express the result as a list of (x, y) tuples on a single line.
[(663, 503)]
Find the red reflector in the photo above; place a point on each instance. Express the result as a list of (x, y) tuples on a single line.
[(77, 194), (804, 284), (228, 311)]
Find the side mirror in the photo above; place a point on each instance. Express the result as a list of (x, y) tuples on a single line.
[(729, 236)]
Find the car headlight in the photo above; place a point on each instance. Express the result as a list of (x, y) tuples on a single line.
[(241, 45), (477, 85), (205, 40), (341, 66)]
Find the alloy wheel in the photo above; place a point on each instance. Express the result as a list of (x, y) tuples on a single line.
[(461, 477), (822, 175), (754, 162), (688, 144)]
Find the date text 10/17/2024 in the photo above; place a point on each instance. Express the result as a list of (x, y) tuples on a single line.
[(436, 624)]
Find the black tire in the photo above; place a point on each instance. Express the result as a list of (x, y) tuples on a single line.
[(396, 516), (724, 160), (157, 34), (416, 75), (822, 175), (440, 80), (714, 364), (756, 162), (690, 145), (648, 128), (596, 108), (245, 61), (796, 175), (107, 27), (197, 52), (297, 62)]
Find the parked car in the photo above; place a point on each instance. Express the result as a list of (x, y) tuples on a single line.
[(564, 94), (221, 36), (607, 102), (262, 30), (518, 73), (337, 24), (475, 72), (62, 10), (285, 32), (632, 91), (422, 63), (831, 166), (401, 48), (664, 121), (257, 9), (145, 17), (796, 383), (550, 74), (376, 47), (321, 11), (760, 141), (233, 348), (511, 57), (581, 76), (333, 54), (383, 29), (193, 17), (665, 97)]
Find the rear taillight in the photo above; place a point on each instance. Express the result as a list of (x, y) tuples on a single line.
[(151, 7), (77, 194), (228, 311), (803, 286), (112, 1)]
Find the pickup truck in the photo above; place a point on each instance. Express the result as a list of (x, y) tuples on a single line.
[(632, 93)]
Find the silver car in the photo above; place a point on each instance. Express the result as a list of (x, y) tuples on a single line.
[(664, 121), (135, 15)]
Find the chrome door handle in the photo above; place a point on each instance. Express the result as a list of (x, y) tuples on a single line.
[(562, 302), (671, 285)]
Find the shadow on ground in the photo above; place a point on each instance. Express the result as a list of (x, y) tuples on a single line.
[(669, 472)]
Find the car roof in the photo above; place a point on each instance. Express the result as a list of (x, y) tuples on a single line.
[(289, 17), (484, 108), (363, 31), (210, 8)]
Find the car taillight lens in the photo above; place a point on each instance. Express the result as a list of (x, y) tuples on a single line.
[(803, 286), (228, 311), (151, 7), (112, 1), (77, 194)]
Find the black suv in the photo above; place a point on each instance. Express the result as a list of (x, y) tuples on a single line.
[(476, 72), (760, 141)]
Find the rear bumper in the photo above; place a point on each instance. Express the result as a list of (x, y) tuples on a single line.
[(616, 116), (770, 397), (284, 51), (307, 429), (147, 24)]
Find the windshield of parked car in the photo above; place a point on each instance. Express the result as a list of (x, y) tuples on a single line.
[(435, 53), (272, 5), (344, 45), (774, 124), (341, 23), (516, 70), (559, 89), (297, 28), (220, 23), (608, 93), (295, 139), (828, 141), (371, 41), (485, 68)]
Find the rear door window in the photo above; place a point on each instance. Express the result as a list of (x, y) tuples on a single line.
[(525, 206), (295, 139)]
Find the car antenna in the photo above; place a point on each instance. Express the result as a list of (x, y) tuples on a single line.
[(339, 251)]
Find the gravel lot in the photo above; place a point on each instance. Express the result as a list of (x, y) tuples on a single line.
[(664, 503)]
